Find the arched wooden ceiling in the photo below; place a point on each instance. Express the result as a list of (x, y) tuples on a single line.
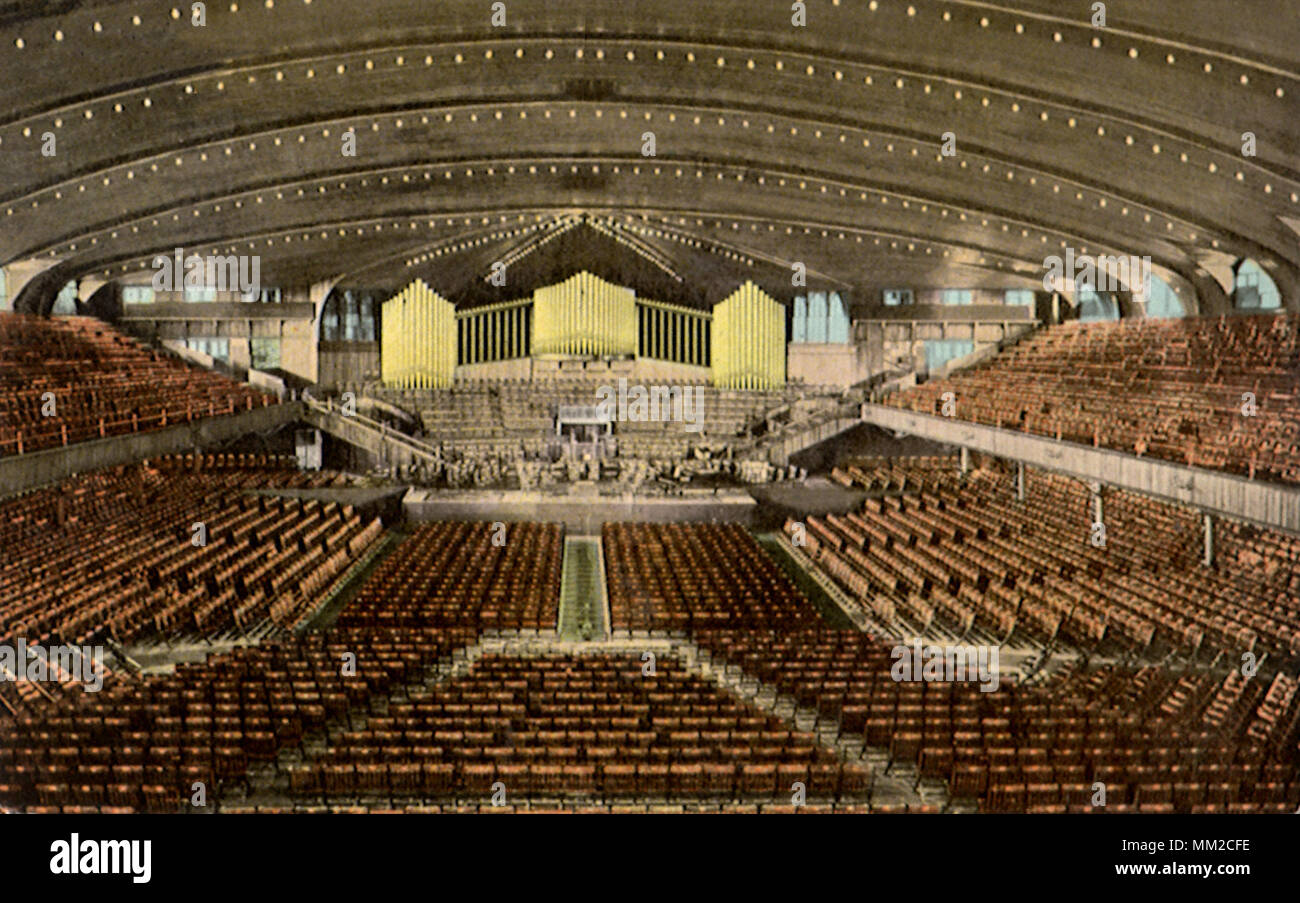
[(774, 143)]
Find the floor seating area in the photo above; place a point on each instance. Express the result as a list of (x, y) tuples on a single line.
[(118, 554), (686, 577), (103, 383), (571, 727), (964, 552), (142, 744), (1161, 740), (452, 574), (1172, 389)]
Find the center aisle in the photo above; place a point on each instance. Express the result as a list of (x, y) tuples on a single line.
[(584, 603)]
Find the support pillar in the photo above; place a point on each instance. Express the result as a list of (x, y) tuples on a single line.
[(965, 460), (1020, 481), (1208, 560)]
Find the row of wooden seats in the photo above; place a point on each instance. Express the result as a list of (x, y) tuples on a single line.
[(115, 553), (574, 725), (1136, 730), (695, 576), (144, 743), (103, 384), (466, 574), (978, 556)]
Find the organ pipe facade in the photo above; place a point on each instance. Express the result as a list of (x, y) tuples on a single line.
[(584, 315), (418, 348), (499, 332), (667, 332), (424, 339), (749, 340)]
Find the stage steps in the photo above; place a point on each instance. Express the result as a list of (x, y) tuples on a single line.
[(584, 604)]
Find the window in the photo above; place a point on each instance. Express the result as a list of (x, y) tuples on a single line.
[(1093, 307), (1163, 303), (265, 353), (367, 318), (837, 323), (65, 305), (1019, 298), (200, 295), (350, 315), (939, 353), (329, 327), (817, 317), (351, 318), (1254, 289), (954, 297), (897, 297), (799, 324), (217, 348), (4, 299), (137, 294)]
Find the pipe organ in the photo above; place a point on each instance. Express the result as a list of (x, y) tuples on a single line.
[(748, 340), (424, 338), (667, 332), (499, 332), (418, 339), (584, 315)]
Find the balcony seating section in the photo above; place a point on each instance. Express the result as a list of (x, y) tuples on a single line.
[(686, 577), (104, 383), (965, 552), (141, 744), (1170, 389), (457, 574), (573, 728), (1161, 740), (112, 554)]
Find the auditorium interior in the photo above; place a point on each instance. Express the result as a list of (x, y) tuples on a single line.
[(585, 407)]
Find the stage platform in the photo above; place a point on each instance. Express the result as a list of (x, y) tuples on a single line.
[(580, 509)]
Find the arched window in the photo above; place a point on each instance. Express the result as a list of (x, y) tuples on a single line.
[(1094, 307), (1163, 303), (1254, 289), (350, 315), (65, 305)]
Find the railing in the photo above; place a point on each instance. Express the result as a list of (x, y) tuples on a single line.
[(376, 430)]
